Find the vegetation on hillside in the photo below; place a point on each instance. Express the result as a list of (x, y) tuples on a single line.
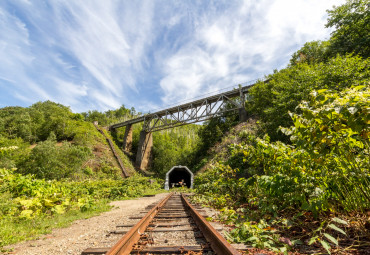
[(30, 206), (170, 147), (111, 116), (55, 167), (173, 147), (271, 102), (322, 174), (352, 26), (54, 143), (299, 176)]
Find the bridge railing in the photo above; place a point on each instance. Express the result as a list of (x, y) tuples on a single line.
[(191, 111), (206, 95)]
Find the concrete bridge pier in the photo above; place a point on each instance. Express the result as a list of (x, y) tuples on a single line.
[(127, 139), (243, 116), (144, 150)]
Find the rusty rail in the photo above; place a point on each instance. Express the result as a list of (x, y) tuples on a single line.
[(217, 241), (130, 242), (125, 244)]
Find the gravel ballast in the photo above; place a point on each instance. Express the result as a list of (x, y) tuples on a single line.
[(87, 233)]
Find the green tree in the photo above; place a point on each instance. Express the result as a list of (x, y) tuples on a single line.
[(352, 28), (271, 102), (173, 147), (95, 115), (311, 52), (51, 161), (49, 116), (14, 150), (16, 122)]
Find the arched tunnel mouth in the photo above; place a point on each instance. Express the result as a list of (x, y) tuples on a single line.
[(178, 175)]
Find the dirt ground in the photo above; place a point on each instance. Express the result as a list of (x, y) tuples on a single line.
[(87, 233)]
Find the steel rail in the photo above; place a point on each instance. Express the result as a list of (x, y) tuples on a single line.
[(125, 245), (217, 242)]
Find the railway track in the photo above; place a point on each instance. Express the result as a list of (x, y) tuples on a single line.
[(173, 226)]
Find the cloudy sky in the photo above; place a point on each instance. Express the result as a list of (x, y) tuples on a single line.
[(100, 54)]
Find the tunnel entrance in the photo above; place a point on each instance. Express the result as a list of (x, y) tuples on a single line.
[(179, 174)]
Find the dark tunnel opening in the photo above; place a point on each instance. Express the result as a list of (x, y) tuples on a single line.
[(177, 175)]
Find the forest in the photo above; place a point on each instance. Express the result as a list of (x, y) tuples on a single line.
[(295, 175)]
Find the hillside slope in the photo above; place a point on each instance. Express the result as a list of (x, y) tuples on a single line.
[(300, 178), (55, 167), (63, 144), (314, 191)]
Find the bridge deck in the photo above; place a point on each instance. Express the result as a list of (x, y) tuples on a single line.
[(197, 103)]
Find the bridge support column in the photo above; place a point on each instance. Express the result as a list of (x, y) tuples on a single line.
[(243, 116), (127, 138), (144, 150)]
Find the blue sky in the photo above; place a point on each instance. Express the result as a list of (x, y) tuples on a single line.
[(100, 54)]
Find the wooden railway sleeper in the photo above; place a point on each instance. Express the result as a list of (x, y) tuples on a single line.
[(147, 226)]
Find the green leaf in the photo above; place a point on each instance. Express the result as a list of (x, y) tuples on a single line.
[(312, 240), (332, 226), (339, 220), (331, 238), (295, 242), (325, 245), (59, 209), (252, 238), (26, 214), (320, 91), (284, 250), (48, 203), (228, 236), (26, 202)]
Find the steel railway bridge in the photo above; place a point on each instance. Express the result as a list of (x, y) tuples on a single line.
[(192, 112)]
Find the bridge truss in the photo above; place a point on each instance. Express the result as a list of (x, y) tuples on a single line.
[(195, 111)]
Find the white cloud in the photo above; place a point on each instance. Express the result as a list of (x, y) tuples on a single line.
[(242, 43), (104, 99), (99, 43), (15, 56), (102, 54), (102, 44), (70, 90)]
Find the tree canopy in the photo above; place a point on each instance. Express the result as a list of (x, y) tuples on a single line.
[(351, 22)]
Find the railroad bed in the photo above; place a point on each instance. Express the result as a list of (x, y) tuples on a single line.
[(173, 226)]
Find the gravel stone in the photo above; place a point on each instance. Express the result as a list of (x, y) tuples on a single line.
[(87, 233)]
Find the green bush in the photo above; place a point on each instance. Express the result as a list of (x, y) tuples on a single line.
[(34, 197), (22, 197), (52, 161), (325, 169), (272, 101), (12, 151)]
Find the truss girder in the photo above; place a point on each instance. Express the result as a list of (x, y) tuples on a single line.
[(190, 114), (196, 111)]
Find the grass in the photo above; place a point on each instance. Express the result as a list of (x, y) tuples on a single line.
[(149, 192), (13, 230)]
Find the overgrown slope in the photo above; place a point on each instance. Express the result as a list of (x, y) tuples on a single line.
[(298, 179), (54, 143), (314, 191), (55, 167)]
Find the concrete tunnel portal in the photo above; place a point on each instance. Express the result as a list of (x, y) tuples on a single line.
[(179, 174)]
